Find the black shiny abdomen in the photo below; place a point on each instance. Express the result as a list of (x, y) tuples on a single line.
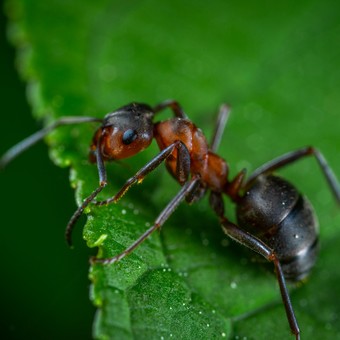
[(275, 212)]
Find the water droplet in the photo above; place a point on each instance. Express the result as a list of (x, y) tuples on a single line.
[(233, 285), (223, 335), (123, 211)]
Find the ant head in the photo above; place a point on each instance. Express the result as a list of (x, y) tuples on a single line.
[(124, 132)]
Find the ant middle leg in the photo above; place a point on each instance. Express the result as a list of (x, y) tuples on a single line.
[(294, 156), (102, 183), (186, 189), (182, 172)]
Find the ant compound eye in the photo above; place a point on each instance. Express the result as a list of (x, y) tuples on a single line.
[(129, 136)]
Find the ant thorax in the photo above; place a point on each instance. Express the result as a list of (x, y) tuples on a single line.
[(212, 169)]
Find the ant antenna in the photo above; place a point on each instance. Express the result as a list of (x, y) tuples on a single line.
[(20, 147)]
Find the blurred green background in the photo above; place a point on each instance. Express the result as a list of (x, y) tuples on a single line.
[(276, 63), (44, 285)]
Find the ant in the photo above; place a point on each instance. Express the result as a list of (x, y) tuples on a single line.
[(273, 218)]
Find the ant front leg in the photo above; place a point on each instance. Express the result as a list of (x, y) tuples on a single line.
[(89, 199), (173, 105), (182, 170), (182, 175), (294, 156)]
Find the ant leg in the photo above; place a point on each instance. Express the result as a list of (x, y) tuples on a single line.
[(221, 122), (182, 171), (160, 220), (250, 241), (292, 157), (20, 147), (89, 199), (173, 105)]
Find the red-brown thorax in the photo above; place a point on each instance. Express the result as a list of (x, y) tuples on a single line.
[(212, 169)]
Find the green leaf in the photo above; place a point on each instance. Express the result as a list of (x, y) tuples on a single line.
[(277, 64)]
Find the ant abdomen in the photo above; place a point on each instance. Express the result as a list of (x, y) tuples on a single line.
[(275, 212)]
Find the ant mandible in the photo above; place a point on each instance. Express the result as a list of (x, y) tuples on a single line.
[(273, 218)]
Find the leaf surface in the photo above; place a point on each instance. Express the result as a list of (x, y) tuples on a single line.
[(270, 62)]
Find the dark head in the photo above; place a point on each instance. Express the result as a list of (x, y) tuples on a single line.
[(124, 132)]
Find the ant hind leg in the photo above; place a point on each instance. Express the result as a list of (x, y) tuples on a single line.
[(253, 243), (250, 241), (294, 156)]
